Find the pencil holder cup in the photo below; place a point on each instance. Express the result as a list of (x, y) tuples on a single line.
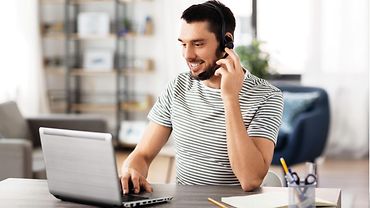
[(301, 195)]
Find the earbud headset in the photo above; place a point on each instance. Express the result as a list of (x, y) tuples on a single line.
[(225, 41)]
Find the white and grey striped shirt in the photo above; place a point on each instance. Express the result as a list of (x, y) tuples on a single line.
[(196, 115)]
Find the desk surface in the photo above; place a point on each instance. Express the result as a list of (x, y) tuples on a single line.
[(35, 193)]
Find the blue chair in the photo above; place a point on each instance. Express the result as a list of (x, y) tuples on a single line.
[(307, 137)]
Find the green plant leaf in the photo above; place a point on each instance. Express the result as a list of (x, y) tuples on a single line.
[(253, 59)]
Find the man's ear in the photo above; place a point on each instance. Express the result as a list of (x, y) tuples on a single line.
[(229, 40), (229, 35)]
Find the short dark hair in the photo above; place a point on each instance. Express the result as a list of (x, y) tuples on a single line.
[(204, 12)]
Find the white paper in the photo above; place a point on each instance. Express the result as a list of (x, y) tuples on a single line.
[(266, 200)]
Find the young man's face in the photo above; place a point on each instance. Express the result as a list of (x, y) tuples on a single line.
[(199, 47)]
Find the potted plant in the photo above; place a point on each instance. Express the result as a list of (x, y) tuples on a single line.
[(253, 59)]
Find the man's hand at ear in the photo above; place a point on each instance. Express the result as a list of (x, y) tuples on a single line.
[(232, 76)]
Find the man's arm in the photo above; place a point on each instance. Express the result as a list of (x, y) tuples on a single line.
[(250, 157), (135, 167)]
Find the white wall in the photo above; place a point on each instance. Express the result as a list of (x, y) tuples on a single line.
[(169, 61)]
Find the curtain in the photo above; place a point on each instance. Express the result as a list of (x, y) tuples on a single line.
[(327, 41), (338, 60), (21, 78)]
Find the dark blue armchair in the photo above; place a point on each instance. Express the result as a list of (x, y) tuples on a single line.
[(309, 129)]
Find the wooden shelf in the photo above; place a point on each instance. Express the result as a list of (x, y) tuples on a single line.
[(90, 107), (52, 1), (135, 35), (138, 106), (88, 1), (76, 96), (110, 72), (136, 72), (57, 100), (58, 107), (105, 1), (93, 107), (95, 72), (130, 107), (76, 36), (77, 1), (55, 36), (55, 70), (91, 1)]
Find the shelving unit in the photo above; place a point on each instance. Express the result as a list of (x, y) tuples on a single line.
[(80, 90)]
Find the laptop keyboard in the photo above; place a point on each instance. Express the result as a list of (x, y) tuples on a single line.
[(129, 198)]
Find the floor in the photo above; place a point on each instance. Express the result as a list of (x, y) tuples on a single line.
[(352, 176)]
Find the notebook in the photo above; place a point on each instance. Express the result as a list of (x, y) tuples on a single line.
[(81, 167)]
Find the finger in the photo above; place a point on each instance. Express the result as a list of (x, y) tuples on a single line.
[(234, 57), (227, 63), (220, 71), (124, 183), (146, 185), (136, 183)]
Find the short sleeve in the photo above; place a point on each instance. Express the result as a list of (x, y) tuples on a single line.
[(267, 120), (161, 111)]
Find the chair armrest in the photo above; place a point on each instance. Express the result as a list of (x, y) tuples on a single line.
[(15, 158), (272, 179), (72, 122)]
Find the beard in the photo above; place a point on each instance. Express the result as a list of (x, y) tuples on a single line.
[(210, 71), (207, 74)]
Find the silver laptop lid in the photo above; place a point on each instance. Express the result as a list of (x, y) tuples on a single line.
[(81, 165)]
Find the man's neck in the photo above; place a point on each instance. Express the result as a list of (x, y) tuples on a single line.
[(214, 82)]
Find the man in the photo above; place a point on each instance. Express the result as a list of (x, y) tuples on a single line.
[(224, 120)]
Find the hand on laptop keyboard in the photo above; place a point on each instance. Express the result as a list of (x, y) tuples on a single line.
[(133, 182)]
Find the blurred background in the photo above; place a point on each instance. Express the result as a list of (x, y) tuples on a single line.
[(108, 60)]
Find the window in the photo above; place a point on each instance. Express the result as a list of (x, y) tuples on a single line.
[(284, 26), (243, 15)]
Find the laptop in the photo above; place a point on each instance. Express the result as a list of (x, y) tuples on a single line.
[(81, 167)]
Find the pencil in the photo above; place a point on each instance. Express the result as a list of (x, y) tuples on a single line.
[(285, 167), (216, 203)]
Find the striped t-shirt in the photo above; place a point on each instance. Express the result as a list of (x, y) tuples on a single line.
[(196, 115)]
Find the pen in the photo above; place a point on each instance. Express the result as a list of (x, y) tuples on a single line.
[(216, 203), (291, 180), (287, 173)]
